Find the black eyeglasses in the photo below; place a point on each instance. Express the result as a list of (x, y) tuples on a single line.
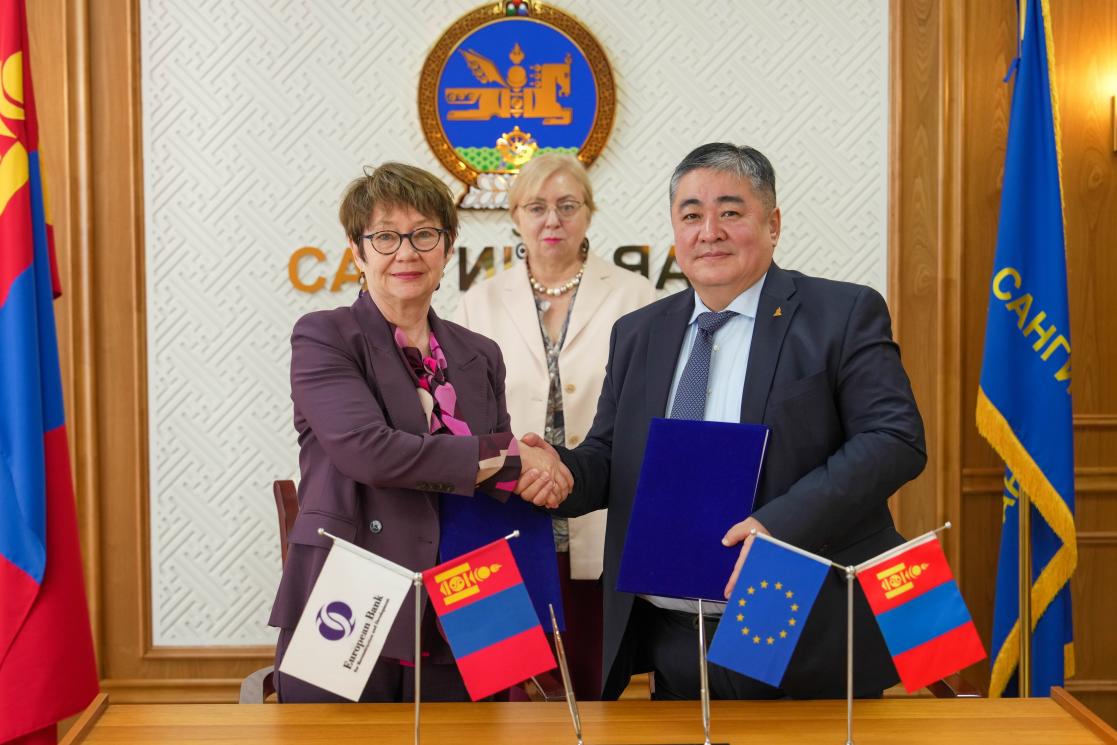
[(387, 242)]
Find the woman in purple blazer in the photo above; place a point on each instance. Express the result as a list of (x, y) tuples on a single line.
[(393, 405)]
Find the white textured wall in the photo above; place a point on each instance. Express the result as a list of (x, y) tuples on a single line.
[(257, 113)]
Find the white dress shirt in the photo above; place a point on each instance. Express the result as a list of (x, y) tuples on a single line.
[(724, 391)]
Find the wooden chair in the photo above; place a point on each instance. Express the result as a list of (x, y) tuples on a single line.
[(256, 688), (287, 508), (954, 686)]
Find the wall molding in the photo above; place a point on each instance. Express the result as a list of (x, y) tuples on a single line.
[(257, 654), (1091, 685), (1097, 538), (172, 690), (1087, 480), (1095, 421)]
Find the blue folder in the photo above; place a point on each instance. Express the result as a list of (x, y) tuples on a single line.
[(698, 479), (466, 523)]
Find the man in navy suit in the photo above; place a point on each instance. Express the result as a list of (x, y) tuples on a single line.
[(811, 358)]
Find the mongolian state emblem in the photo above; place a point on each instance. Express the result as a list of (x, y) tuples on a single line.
[(463, 581), (508, 81)]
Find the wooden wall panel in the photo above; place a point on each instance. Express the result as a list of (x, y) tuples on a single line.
[(989, 33), (59, 54), (86, 67), (949, 131), (915, 291), (949, 117)]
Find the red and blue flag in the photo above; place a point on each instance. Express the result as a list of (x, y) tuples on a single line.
[(47, 668), (489, 620), (921, 613)]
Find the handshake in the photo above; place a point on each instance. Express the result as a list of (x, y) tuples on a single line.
[(544, 480)]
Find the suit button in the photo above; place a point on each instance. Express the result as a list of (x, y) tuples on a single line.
[(570, 388), (375, 526)]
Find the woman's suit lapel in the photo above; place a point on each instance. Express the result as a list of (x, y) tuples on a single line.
[(467, 372), (592, 294), (388, 376), (519, 311)]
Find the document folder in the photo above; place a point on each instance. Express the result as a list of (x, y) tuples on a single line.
[(467, 523), (698, 479)]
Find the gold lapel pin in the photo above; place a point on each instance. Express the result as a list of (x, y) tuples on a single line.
[(778, 313)]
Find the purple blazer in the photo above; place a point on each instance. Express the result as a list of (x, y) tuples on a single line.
[(371, 472)]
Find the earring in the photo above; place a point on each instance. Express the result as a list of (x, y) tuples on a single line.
[(585, 247)]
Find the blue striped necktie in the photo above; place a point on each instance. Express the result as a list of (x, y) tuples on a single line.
[(690, 396)]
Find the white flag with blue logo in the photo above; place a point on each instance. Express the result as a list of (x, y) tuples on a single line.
[(346, 620)]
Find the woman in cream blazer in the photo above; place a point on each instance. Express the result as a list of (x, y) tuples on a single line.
[(565, 291)]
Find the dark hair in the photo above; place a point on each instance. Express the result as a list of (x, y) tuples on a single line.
[(745, 162), (396, 185)]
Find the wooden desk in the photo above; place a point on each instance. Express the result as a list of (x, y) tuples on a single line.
[(1058, 721)]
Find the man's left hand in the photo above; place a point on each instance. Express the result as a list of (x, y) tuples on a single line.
[(741, 533)]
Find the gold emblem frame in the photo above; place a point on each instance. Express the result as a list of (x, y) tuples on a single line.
[(493, 13)]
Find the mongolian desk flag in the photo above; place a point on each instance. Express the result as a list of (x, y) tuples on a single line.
[(488, 619), (767, 609), (47, 669), (1024, 402), (921, 614)]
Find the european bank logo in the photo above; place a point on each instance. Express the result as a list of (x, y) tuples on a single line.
[(335, 620)]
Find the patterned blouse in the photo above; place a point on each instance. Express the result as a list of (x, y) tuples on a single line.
[(498, 457), (554, 428)]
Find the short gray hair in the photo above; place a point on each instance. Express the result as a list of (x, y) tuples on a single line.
[(744, 162)]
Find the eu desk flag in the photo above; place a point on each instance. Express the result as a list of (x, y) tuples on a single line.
[(1024, 403), (920, 611), (488, 618), (47, 670), (767, 609)]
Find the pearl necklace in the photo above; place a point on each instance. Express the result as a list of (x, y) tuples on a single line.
[(562, 289)]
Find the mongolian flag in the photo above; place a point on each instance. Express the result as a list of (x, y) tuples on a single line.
[(489, 620), (920, 610), (1024, 402), (47, 669)]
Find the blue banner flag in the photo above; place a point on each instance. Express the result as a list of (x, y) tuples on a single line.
[(1023, 402), (766, 612)]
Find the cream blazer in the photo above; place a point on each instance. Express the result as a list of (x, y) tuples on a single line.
[(503, 309)]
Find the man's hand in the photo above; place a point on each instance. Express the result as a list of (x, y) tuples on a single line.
[(741, 533), (544, 480)]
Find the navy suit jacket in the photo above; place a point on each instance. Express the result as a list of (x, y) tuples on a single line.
[(825, 375), (371, 472)]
